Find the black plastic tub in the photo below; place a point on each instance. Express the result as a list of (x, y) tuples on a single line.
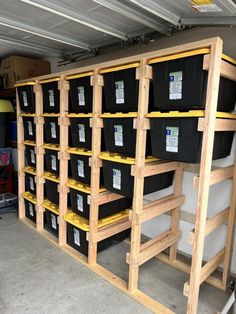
[(118, 178), (30, 185), (181, 84), (30, 156), (80, 206), (121, 91), (81, 95), (81, 132), (3, 136), (52, 193), (30, 211), (51, 130), (178, 139), (26, 98), (52, 161), (50, 222), (51, 97), (120, 135), (29, 128)]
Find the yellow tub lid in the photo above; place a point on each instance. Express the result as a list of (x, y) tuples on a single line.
[(188, 114), (79, 75), (51, 146), (79, 151), (51, 206), (29, 143), (50, 115), (27, 115), (120, 67), (24, 84), (51, 177), (119, 115), (79, 115), (83, 224), (71, 183), (123, 159), (50, 80), (29, 197), (30, 170)]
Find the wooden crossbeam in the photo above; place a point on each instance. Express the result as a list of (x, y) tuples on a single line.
[(212, 224), (217, 175), (221, 125), (157, 167), (105, 197)]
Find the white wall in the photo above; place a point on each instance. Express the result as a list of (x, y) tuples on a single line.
[(220, 193)]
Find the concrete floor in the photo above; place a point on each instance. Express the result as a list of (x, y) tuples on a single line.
[(37, 277)]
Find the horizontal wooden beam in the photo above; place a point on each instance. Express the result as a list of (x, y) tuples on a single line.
[(157, 167), (104, 197), (212, 224), (227, 70), (221, 125), (217, 175)]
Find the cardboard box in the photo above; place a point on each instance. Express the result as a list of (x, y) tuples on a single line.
[(16, 68)]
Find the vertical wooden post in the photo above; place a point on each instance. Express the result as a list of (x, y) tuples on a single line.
[(39, 156), (63, 85), (97, 83), (204, 176), (144, 74), (21, 160)]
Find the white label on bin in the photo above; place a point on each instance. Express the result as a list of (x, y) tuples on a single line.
[(53, 162), (118, 133), (175, 87), (25, 100), (31, 210), (81, 132), (80, 203), (116, 174), (51, 97), (31, 182), (80, 167), (76, 237), (53, 130), (120, 92), (81, 95), (54, 221), (172, 139), (32, 156), (30, 127)]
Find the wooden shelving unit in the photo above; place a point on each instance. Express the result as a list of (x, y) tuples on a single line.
[(140, 253)]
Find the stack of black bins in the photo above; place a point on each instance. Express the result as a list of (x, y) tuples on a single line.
[(81, 96), (121, 99), (180, 86)]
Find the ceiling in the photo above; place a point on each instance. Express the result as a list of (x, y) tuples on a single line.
[(66, 27)]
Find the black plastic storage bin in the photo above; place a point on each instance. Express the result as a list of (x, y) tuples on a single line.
[(51, 130), (121, 90), (30, 184), (80, 206), (81, 132), (80, 169), (3, 136), (30, 156), (181, 84), (29, 128), (120, 135), (81, 95), (30, 211), (76, 234), (52, 161), (50, 222), (177, 138), (52, 193), (26, 97), (51, 97), (118, 178)]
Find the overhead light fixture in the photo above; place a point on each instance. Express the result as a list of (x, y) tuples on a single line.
[(66, 11)]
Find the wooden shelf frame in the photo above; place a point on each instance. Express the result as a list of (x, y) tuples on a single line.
[(140, 253)]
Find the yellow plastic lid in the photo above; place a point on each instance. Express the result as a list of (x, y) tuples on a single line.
[(119, 115), (51, 146), (79, 115), (47, 114), (50, 80), (29, 197), (120, 67), (83, 224), (51, 206), (79, 75), (29, 143), (24, 84), (79, 151), (30, 170), (123, 159), (71, 183), (27, 114), (51, 177), (188, 114)]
